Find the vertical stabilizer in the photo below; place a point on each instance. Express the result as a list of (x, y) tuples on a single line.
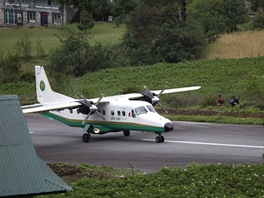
[(44, 92)]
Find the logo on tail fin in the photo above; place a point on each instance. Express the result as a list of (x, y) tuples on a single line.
[(42, 85)]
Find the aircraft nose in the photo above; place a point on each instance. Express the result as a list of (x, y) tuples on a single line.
[(168, 127)]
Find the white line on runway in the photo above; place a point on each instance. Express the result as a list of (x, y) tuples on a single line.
[(211, 144)]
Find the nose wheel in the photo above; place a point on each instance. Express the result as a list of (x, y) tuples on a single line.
[(159, 139)]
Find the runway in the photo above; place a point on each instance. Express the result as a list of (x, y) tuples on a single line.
[(205, 143)]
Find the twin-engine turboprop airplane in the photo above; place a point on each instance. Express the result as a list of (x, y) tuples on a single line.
[(125, 112)]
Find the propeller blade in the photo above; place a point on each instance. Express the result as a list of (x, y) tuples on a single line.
[(162, 91), (145, 87), (100, 115), (86, 101), (163, 108), (99, 99), (86, 118), (92, 108)]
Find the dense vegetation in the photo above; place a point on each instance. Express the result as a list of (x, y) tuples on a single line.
[(156, 31), (193, 181)]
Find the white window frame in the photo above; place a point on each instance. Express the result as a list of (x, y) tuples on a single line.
[(56, 18), (31, 16)]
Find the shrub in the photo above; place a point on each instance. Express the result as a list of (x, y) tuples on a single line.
[(24, 47), (40, 49), (76, 57), (258, 21), (10, 68)]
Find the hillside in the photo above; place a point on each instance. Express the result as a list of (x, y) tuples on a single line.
[(240, 77)]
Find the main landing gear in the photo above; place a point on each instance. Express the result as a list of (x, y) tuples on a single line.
[(86, 133), (160, 138), (86, 137), (126, 133)]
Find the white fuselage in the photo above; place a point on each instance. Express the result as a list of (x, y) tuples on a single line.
[(118, 115)]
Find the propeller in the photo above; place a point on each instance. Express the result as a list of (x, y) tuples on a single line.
[(92, 108), (155, 99)]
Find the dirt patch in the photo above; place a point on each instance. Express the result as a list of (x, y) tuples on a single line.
[(70, 172), (215, 113)]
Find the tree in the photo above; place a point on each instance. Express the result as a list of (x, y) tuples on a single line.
[(159, 31), (235, 13), (257, 5), (86, 21), (218, 16), (76, 57), (258, 21), (209, 14), (120, 9)]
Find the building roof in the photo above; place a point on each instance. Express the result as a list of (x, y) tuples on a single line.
[(22, 172)]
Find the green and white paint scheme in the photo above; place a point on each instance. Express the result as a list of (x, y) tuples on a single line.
[(127, 112)]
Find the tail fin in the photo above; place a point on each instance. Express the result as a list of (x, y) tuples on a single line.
[(44, 92)]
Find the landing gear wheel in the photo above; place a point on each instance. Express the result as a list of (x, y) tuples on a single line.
[(86, 137), (126, 133), (159, 139)]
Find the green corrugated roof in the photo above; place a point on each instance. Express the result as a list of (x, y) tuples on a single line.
[(21, 170)]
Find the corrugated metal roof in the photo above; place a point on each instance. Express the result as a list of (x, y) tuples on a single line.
[(21, 170)]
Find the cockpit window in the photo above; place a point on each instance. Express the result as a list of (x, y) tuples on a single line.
[(151, 109), (141, 110)]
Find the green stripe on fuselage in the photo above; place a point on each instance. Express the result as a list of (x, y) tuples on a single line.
[(106, 126)]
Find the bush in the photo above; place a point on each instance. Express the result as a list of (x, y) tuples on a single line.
[(258, 21), (24, 47), (76, 57), (40, 49), (10, 68)]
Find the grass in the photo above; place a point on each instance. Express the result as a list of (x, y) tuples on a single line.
[(105, 33), (193, 181), (237, 45)]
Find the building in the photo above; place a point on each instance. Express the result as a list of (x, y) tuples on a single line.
[(22, 172), (34, 13)]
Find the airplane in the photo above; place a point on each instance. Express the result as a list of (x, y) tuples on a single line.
[(126, 112)]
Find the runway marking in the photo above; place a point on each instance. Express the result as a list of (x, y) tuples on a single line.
[(211, 144), (31, 132)]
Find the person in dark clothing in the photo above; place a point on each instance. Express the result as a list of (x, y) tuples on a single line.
[(233, 101), (219, 100)]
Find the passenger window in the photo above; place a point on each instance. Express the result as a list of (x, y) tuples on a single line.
[(118, 113), (103, 112), (123, 113), (112, 113)]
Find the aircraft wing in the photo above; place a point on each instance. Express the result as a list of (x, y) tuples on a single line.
[(134, 96), (38, 108), (176, 90), (166, 91)]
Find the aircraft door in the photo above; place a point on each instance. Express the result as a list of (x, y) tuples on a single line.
[(123, 114)]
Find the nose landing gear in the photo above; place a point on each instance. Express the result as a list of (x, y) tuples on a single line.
[(160, 138)]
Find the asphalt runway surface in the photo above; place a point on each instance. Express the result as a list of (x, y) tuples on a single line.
[(205, 143)]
